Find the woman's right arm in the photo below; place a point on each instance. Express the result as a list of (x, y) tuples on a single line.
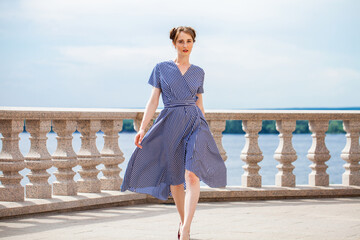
[(150, 109)]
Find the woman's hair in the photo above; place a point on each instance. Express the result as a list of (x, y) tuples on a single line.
[(174, 33)]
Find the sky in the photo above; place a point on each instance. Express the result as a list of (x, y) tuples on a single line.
[(255, 53)]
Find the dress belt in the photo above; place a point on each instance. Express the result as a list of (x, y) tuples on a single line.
[(180, 103)]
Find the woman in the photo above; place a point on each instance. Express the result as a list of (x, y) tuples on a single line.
[(178, 150)]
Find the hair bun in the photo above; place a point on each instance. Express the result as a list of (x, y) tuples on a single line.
[(174, 32)]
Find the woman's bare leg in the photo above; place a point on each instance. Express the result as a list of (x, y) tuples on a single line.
[(178, 193), (191, 200)]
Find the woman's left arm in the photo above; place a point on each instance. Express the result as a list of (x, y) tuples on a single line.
[(199, 102)]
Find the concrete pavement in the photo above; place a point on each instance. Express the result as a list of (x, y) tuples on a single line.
[(327, 218)]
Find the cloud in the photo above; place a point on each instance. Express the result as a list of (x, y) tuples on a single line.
[(265, 72), (255, 53), (337, 81), (113, 56), (91, 17)]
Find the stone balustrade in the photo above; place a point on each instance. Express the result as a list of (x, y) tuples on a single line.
[(89, 121)]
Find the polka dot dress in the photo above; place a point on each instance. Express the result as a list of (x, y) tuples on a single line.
[(179, 139)]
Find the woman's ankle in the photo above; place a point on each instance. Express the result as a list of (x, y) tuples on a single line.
[(185, 229)]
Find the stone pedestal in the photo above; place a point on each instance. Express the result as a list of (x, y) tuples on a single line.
[(38, 160), (285, 154), (89, 157), (64, 158), (351, 153), (318, 153), (216, 128), (111, 155), (251, 154), (11, 161)]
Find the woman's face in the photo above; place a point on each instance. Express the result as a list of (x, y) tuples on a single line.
[(184, 44)]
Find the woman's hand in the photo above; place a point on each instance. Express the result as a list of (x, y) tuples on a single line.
[(150, 109), (139, 137)]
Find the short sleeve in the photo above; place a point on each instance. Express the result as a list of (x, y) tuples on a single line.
[(201, 87), (154, 79)]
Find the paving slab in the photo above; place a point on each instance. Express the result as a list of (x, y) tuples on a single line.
[(325, 218)]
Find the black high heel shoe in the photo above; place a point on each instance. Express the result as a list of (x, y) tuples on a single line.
[(179, 231)]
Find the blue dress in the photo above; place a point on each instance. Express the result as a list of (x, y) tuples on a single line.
[(179, 139)]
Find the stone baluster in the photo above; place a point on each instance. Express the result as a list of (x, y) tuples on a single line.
[(251, 154), (285, 154), (216, 128), (111, 155), (64, 158), (38, 160), (318, 153), (11, 161), (137, 122), (89, 157), (351, 153)]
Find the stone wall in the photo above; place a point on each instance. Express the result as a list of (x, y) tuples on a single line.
[(89, 191)]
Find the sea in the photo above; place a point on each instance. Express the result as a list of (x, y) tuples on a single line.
[(233, 145)]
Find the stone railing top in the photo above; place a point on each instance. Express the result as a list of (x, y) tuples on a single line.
[(212, 114)]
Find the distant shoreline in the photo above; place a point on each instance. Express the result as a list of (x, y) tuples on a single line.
[(308, 108), (292, 108), (235, 127)]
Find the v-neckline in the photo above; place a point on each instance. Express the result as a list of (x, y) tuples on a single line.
[(179, 68)]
